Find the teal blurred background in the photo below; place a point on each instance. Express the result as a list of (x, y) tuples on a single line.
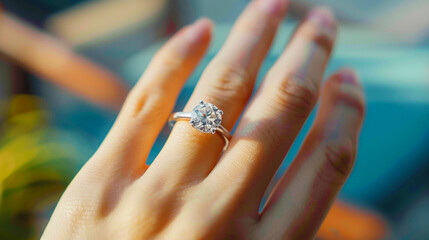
[(49, 131)]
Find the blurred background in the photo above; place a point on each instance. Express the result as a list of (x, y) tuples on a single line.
[(67, 65)]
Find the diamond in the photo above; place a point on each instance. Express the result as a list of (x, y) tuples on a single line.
[(206, 117)]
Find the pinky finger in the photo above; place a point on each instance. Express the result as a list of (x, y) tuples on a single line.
[(303, 196)]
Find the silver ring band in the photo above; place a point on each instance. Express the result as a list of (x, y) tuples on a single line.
[(197, 115)]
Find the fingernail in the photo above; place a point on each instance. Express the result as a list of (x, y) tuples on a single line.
[(198, 30), (348, 76), (352, 96), (272, 7), (322, 16)]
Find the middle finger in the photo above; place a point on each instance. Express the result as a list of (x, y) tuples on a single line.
[(277, 112)]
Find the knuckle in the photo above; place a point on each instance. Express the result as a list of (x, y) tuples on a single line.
[(250, 26), (167, 60), (324, 39), (155, 107), (340, 157), (298, 94), (348, 94), (231, 83), (149, 106)]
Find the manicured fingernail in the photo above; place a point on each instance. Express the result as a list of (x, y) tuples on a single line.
[(348, 76), (322, 16), (352, 96), (272, 7), (198, 30)]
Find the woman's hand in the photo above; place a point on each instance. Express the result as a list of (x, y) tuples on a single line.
[(191, 191)]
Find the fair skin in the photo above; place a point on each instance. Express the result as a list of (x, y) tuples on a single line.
[(192, 190)]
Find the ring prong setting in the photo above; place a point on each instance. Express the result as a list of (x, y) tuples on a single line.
[(206, 117)]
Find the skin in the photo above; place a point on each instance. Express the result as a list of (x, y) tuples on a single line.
[(192, 190)]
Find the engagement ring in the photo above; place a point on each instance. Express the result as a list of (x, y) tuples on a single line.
[(206, 118)]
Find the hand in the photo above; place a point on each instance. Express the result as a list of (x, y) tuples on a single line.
[(192, 190)]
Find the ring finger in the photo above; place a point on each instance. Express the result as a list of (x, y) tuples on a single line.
[(227, 83)]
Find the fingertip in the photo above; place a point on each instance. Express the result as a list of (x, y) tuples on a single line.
[(323, 17), (200, 30), (203, 24), (344, 88), (272, 7), (348, 76), (204, 21)]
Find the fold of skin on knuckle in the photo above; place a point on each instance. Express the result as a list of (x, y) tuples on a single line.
[(338, 140), (339, 156), (350, 97), (156, 107), (148, 104), (229, 83), (296, 95)]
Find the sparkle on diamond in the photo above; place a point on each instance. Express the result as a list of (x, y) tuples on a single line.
[(206, 117)]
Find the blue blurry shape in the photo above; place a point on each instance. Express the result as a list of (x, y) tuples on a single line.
[(88, 123)]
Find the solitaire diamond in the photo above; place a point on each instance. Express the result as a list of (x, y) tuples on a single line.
[(206, 117)]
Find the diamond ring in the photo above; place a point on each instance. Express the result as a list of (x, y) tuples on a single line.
[(206, 118)]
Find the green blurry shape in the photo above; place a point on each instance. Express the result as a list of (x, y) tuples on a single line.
[(35, 168)]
